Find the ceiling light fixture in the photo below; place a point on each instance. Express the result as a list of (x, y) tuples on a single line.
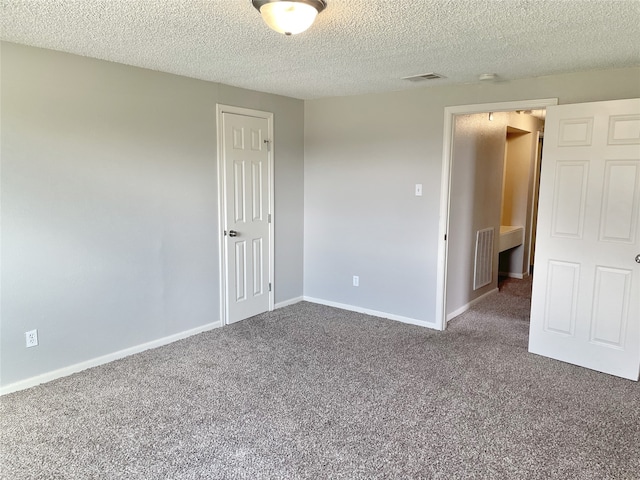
[(487, 77), (289, 17)]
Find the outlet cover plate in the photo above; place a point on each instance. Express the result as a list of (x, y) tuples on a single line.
[(31, 338)]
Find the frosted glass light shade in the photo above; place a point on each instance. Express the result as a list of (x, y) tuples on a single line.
[(288, 17)]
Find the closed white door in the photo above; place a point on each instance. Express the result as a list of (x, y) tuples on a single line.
[(586, 284), (246, 158)]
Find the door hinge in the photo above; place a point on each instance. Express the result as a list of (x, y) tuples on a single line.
[(269, 286), (445, 237), (269, 218), (268, 144)]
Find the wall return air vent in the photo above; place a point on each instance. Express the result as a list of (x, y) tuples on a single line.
[(424, 76)]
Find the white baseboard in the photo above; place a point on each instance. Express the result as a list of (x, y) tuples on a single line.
[(286, 303), (110, 357), (466, 307), (519, 276), (366, 311)]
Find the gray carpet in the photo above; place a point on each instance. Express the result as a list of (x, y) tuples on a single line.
[(315, 392)]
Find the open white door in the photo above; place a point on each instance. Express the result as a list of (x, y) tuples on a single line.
[(246, 162), (586, 284)]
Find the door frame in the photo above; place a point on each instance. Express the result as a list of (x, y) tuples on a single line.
[(222, 199), (445, 185)]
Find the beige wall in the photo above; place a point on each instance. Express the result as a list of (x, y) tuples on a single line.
[(517, 193), (476, 195), (363, 155), (110, 205)]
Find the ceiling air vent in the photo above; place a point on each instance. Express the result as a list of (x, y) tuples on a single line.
[(424, 76)]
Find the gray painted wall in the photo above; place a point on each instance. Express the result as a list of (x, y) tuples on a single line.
[(109, 205), (363, 155)]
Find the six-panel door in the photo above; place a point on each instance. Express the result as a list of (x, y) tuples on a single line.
[(586, 285), (246, 157)]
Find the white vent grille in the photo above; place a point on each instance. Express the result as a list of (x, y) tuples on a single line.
[(484, 258), (424, 76)]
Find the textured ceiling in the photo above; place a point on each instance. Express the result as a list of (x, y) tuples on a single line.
[(355, 46)]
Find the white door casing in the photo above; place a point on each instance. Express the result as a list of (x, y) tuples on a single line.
[(245, 167), (586, 285)]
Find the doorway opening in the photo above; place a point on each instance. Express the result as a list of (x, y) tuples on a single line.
[(493, 183)]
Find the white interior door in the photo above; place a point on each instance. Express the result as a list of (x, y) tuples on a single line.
[(586, 284), (247, 240)]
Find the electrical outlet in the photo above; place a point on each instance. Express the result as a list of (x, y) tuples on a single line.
[(32, 338), (356, 281)]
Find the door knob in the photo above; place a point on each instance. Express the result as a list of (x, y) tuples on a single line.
[(233, 233), (638, 258)]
